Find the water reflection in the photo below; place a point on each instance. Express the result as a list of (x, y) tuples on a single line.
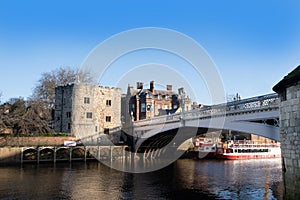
[(246, 179), (189, 179)]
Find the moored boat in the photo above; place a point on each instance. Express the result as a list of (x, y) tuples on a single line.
[(247, 150), (205, 148)]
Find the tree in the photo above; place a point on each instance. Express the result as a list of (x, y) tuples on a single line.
[(44, 92), (34, 115), (24, 117)]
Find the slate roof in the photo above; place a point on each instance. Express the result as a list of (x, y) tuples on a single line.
[(290, 79), (155, 92)]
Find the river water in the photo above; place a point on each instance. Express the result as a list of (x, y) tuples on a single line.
[(183, 179)]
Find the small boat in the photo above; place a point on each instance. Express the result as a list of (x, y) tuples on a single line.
[(247, 150), (204, 148)]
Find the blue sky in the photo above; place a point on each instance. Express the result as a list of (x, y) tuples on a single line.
[(253, 43)]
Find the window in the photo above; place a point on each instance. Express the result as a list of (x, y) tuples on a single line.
[(283, 95), (96, 128), (148, 108), (68, 114), (86, 100), (89, 115), (69, 126), (108, 102), (143, 107), (106, 131), (133, 106), (108, 118)]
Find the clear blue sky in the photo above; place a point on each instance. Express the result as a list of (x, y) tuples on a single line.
[(253, 43)]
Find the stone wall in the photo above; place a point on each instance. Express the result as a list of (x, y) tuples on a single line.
[(85, 109), (10, 155), (104, 107), (33, 141), (63, 108), (290, 139), (17, 155)]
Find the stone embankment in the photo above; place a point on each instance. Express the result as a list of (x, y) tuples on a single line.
[(51, 149)]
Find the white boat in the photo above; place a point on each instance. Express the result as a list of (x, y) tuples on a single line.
[(248, 150), (204, 148)]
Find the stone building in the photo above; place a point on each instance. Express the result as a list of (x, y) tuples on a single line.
[(142, 103), (289, 94), (91, 109)]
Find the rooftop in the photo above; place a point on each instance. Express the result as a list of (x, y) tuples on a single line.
[(288, 80)]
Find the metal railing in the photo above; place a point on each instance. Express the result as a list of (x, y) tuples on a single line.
[(254, 104)]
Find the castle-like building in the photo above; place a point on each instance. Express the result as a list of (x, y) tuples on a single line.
[(92, 108)]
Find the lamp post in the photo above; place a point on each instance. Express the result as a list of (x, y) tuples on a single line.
[(182, 97)]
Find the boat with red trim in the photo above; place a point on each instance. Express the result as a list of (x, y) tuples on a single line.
[(204, 148), (247, 150)]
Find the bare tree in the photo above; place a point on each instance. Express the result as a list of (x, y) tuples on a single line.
[(45, 89), (34, 115), (24, 117)]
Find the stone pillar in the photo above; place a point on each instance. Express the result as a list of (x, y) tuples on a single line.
[(290, 140), (289, 94)]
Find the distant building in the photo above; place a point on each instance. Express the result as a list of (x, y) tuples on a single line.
[(143, 103), (89, 108)]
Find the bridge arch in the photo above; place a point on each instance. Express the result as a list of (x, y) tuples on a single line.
[(78, 153), (46, 154), (153, 142), (62, 153), (29, 154)]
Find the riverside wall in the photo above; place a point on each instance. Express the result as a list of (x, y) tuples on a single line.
[(33, 141), (14, 150)]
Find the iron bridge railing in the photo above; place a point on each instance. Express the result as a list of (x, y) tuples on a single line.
[(254, 104)]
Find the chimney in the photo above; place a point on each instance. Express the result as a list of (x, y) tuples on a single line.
[(151, 86), (169, 87), (139, 85), (181, 91)]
